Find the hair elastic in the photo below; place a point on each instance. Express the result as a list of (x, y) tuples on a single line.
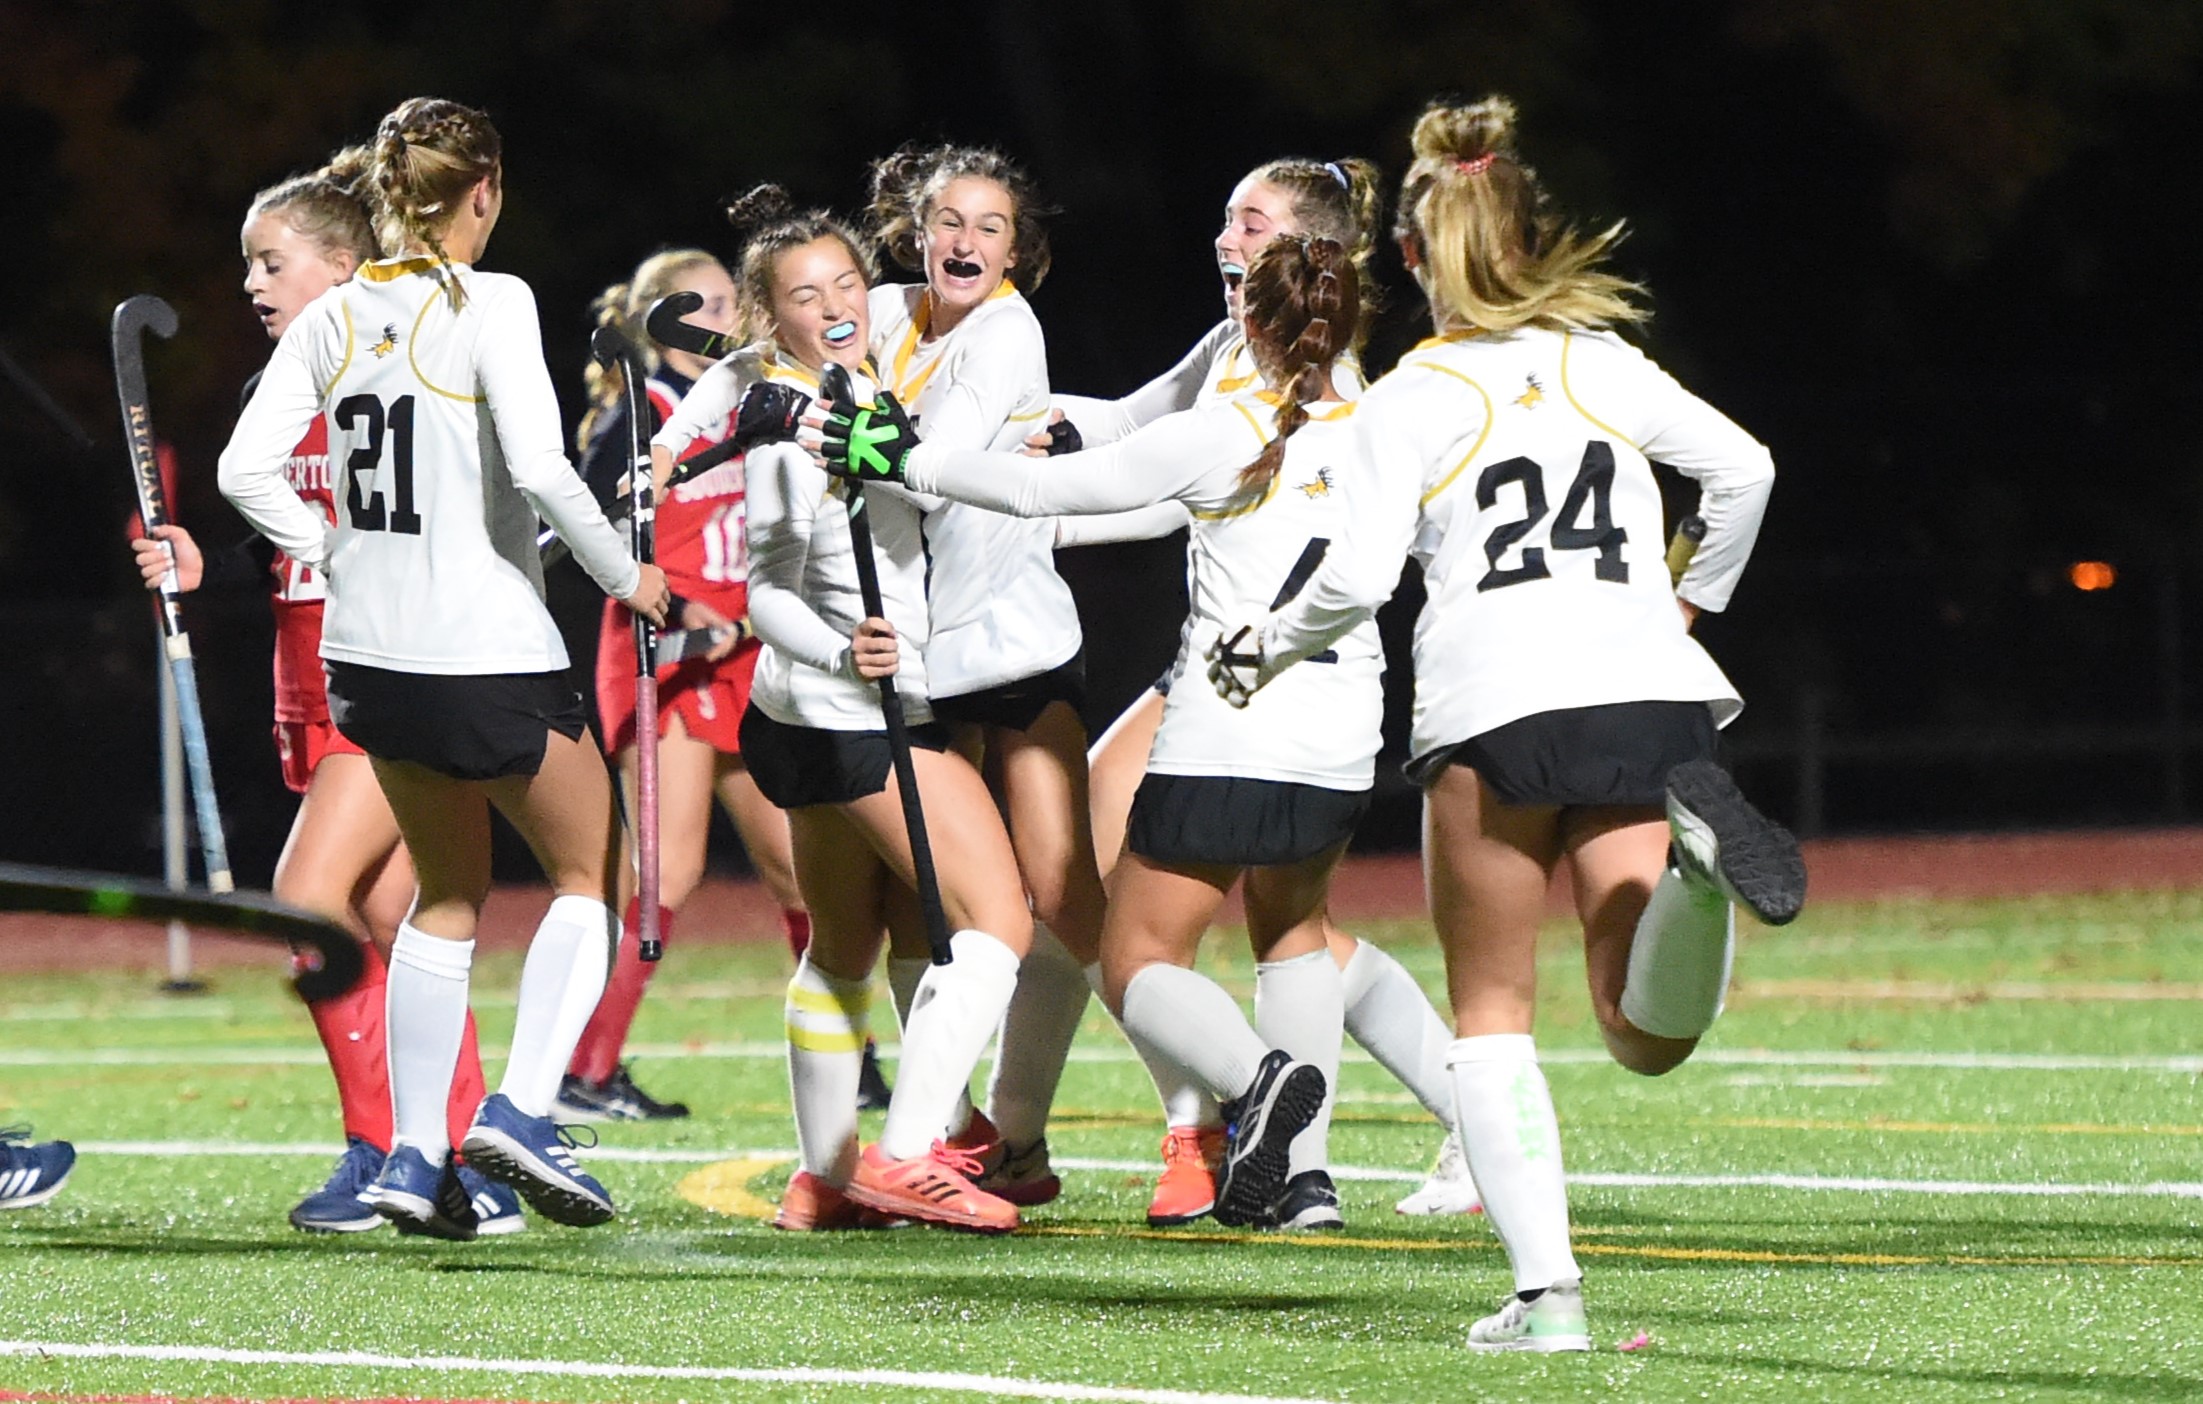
[(1338, 175), (1477, 165)]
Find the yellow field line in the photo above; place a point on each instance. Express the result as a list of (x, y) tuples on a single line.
[(1971, 1128)]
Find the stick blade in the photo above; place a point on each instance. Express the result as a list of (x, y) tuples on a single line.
[(143, 313), (611, 347)]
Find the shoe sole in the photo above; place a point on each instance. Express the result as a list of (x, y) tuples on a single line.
[(1760, 865), (501, 1226), (33, 1200), (1313, 1221), (548, 1191), (1175, 1220), (1250, 1184), (417, 1217), (898, 1206), (1431, 1204), (1540, 1345), (367, 1220)]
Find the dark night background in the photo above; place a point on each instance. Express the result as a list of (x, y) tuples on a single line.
[(1939, 256)]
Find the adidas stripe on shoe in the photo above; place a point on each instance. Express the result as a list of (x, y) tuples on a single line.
[(531, 1153)]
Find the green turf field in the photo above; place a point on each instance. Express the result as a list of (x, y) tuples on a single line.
[(1932, 1151)]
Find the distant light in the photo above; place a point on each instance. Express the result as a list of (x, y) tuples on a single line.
[(2092, 575)]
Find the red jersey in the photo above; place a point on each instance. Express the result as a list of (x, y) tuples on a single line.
[(301, 694), (701, 542)]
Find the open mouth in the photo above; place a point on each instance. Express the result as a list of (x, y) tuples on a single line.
[(263, 311), (1234, 274), (841, 333), (960, 268)]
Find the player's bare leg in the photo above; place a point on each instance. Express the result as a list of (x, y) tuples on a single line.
[(1616, 856), (1115, 765)]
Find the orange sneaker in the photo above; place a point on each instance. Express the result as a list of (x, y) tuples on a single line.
[(1187, 1190), (935, 1188), (1022, 1175), (811, 1204)]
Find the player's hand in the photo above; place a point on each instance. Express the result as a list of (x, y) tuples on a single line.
[(873, 650), (153, 558), (1061, 436), (652, 595), (768, 414), (1236, 666), (730, 632), (867, 442)]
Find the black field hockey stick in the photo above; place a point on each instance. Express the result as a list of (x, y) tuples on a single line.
[(835, 389), (668, 330), (67, 892), (133, 319), (615, 351)]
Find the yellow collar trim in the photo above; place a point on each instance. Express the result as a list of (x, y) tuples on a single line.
[(386, 270)]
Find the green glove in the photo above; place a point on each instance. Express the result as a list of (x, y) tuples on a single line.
[(868, 442)]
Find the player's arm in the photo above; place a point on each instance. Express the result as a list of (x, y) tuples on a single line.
[(1102, 421), (1165, 462), (250, 472), (785, 493), (1139, 524)]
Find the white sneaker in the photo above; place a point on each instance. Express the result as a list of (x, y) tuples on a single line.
[(1450, 1188), (1554, 1322)]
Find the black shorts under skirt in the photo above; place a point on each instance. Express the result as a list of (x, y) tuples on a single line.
[(482, 726), (1017, 705), (1244, 823), (1617, 754), (799, 766)]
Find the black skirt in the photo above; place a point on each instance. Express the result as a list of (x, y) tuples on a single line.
[(1224, 819), (1018, 704), (1617, 754), (467, 726), (799, 766)]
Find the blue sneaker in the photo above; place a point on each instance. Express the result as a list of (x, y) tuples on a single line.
[(531, 1154), (496, 1207), (32, 1173), (341, 1205), (421, 1198)]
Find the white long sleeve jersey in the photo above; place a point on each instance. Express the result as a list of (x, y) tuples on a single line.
[(1317, 725), (1219, 367), (1515, 469), (445, 439), (999, 611)]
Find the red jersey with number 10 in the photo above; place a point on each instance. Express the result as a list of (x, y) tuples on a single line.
[(700, 541), (301, 695)]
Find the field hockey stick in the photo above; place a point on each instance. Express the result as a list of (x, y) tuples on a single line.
[(1684, 545), (615, 351), (667, 328), (68, 892), (133, 318), (835, 389)]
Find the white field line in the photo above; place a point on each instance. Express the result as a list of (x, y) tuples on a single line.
[(2183, 1065), (928, 1380), (2157, 1189)]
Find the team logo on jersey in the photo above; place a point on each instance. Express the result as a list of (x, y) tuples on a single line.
[(1533, 394), (1319, 485), (389, 342)]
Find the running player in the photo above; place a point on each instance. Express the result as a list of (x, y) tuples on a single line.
[(1387, 1012), (1274, 797), (813, 739), (443, 664), (1560, 701), (700, 546), (344, 858), (964, 352)]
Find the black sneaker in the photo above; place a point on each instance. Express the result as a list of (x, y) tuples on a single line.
[(1310, 1201), (1724, 843), (617, 1098), (1284, 1097), (873, 1093)]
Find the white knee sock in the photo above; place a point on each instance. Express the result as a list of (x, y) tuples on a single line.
[(1185, 1101), (1042, 1020), (425, 1013), (904, 974), (1189, 1020), (954, 1011), (1679, 959), (560, 984), (1300, 1006), (1506, 1122), (1388, 1014), (826, 1020)]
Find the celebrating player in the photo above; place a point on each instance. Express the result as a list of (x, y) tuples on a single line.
[(1559, 698), (1386, 1011), (443, 664), (344, 858), (1272, 796), (813, 738), (1003, 661)]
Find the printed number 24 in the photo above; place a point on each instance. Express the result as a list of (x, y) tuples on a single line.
[(368, 511), (1593, 487)]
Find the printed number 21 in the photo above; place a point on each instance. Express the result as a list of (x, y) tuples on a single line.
[(1593, 487), (368, 511)]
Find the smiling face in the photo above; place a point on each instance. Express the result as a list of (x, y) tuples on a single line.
[(715, 286), (818, 307), (1256, 213), (966, 241), (284, 270)]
